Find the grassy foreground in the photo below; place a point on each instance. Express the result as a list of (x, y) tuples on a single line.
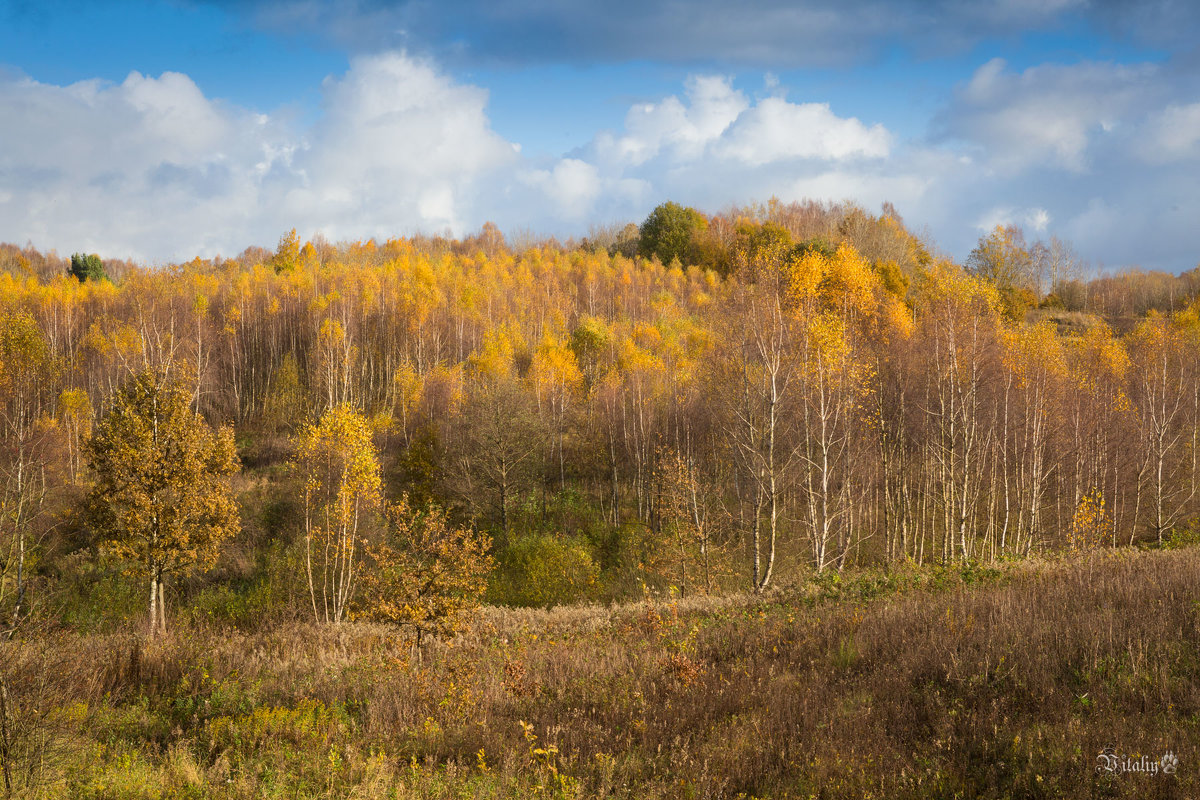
[(975, 683)]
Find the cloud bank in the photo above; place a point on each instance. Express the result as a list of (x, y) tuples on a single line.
[(1101, 154)]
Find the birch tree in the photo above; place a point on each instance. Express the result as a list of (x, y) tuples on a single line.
[(340, 469)]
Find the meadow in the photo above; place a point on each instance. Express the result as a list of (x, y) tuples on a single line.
[(1000, 681)]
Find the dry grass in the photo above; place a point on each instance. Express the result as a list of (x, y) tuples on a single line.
[(915, 686)]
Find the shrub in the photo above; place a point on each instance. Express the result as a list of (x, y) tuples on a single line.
[(546, 570)]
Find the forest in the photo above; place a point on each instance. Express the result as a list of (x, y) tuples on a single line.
[(694, 414)]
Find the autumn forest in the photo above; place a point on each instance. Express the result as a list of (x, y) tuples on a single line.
[(414, 435)]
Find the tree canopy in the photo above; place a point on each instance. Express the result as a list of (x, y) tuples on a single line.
[(338, 463), (669, 232), (426, 571)]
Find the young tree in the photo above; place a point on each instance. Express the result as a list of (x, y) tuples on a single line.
[(287, 255), (957, 323), (337, 460), (758, 393), (834, 298), (1166, 392), (497, 456), (426, 572), (1002, 259), (162, 497), (687, 522)]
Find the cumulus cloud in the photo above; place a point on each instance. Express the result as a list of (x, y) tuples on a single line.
[(152, 168), (714, 146), (682, 130), (132, 166), (1047, 115), (718, 122), (398, 145), (1099, 153), (777, 130), (572, 185), (1034, 219), (1105, 155)]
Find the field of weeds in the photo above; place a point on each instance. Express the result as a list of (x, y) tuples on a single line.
[(912, 684)]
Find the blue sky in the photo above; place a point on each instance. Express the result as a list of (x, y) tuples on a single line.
[(163, 130)]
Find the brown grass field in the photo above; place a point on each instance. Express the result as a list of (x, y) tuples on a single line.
[(976, 683)]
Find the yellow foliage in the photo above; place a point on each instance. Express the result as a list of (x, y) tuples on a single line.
[(1091, 526), (1033, 352), (426, 572), (162, 497), (555, 373), (337, 461), (496, 356)]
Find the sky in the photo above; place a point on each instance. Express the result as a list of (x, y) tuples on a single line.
[(161, 130)]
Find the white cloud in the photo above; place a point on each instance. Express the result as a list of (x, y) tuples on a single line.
[(151, 168), (572, 185), (1048, 115), (718, 120), (715, 146), (173, 110), (1035, 219), (680, 131), (399, 147), (1173, 134), (777, 130), (1038, 219), (1105, 155)]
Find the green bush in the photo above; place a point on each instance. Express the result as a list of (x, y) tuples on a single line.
[(96, 596), (545, 570), (1186, 536), (274, 592), (87, 267), (670, 233)]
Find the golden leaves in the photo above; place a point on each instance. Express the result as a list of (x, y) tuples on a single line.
[(337, 461), (1091, 525), (162, 497), (1034, 353), (426, 572), (337, 458)]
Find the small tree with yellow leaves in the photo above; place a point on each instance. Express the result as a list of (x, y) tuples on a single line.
[(336, 459), (27, 368), (162, 497), (426, 571), (1092, 525)]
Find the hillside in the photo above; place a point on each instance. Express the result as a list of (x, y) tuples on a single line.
[(893, 530), (703, 403)]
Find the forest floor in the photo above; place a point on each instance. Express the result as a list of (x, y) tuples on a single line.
[(914, 683)]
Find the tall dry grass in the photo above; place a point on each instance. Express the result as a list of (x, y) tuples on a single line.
[(930, 687)]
